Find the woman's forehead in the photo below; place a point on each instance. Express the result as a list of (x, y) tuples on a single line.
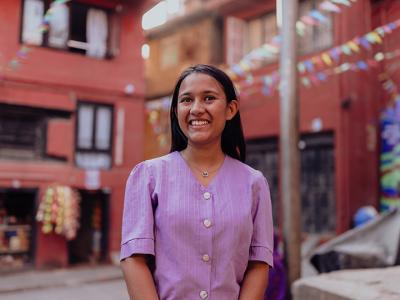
[(199, 82)]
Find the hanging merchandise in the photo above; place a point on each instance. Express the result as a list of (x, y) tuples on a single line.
[(59, 211)]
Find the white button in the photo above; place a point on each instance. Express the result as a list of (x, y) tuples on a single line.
[(207, 195), (203, 294), (207, 223), (206, 258)]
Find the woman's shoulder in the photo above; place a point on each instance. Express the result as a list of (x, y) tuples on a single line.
[(243, 169), (156, 163)]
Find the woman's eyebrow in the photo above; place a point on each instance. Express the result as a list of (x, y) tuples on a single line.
[(210, 92), (185, 94)]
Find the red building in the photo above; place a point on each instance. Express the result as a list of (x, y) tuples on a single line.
[(71, 115), (339, 116)]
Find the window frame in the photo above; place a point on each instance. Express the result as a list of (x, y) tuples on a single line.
[(93, 148), (45, 43)]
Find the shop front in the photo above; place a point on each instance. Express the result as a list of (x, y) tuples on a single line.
[(17, 228)]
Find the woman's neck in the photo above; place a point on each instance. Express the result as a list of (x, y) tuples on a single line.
[(204, 156)]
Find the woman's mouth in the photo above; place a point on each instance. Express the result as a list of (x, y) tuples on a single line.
[(198, 123)]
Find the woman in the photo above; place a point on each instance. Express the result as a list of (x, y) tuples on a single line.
[(197, 222)]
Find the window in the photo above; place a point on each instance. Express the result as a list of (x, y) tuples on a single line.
[(245, 35), (318, 203), (73, 26), (93, 139), (22, 133)]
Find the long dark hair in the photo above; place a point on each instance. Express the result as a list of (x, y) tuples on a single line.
[(232, 140)]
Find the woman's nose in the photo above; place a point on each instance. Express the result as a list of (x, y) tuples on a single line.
[(197, 107)]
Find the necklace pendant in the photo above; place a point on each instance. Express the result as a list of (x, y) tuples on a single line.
[(204, 174)]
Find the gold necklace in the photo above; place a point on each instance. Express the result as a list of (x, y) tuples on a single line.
[(204, 173)]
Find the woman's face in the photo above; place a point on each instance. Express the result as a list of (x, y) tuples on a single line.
[(202, 109)]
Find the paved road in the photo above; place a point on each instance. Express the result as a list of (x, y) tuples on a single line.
[(109, 290), (82, 283)]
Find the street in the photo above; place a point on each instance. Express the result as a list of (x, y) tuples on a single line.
[(114, 289), (100, 283)]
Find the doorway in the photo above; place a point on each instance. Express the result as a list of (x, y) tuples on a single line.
[(90, 244)]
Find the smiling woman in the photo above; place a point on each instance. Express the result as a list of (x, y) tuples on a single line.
[(197, 222)]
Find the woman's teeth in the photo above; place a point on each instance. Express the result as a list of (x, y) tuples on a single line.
[(198, 123)]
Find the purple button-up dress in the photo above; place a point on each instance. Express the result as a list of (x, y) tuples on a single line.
[(202, 237)]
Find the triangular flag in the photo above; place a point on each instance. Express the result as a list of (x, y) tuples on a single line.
[(321, 76), (344, 2), (373, 38), (318, 16), (344, 67), (237, 70), (249, 79), (346, 49), (362, 65), (306, 82), (379, 56), (266, 91), (309, 65), (267, 80), (301, 67), (309, 21), (300, 28), (364, 42), (335, 53), (317, 61), (327, 59), (353, 46), (380, 31), (329, 6)]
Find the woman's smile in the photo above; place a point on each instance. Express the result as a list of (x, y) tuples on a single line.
[(199, 123)]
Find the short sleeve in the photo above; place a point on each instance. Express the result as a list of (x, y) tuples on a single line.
[(138, 217), (261, 246)]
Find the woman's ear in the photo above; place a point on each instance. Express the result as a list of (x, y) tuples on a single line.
[(231, 109)]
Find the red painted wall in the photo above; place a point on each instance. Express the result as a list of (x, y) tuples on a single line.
[(356, 127), (55, 79)]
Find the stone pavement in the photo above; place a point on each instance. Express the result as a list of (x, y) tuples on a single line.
[(362, 284), (97, 282)]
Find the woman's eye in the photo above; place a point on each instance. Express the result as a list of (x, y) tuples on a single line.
[(185, 100), (209, 98)]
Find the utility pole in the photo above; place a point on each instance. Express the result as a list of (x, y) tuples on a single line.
[(289, 137)]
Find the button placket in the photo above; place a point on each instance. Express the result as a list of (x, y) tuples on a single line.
[(205, 257)]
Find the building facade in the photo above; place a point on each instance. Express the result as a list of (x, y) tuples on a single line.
[(71, 127), (339, 116)]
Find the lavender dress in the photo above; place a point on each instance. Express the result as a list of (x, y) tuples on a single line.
[(202, 237)]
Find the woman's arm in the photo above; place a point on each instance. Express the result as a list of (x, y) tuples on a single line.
[(138, 278), (255, 281)]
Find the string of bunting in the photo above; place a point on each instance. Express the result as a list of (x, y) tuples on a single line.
[(314, 17), (24, 50), (314, 66)]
